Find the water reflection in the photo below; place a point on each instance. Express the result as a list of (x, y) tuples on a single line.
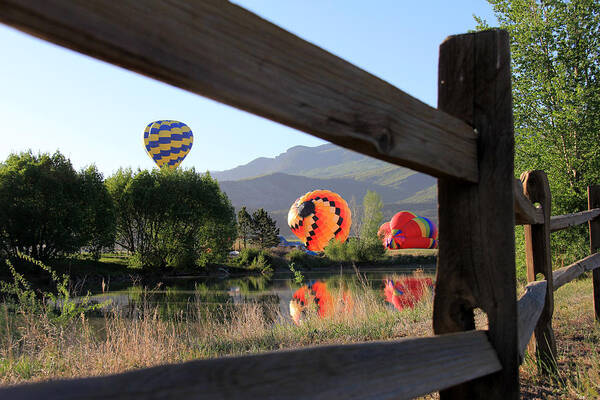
[(192, 297)]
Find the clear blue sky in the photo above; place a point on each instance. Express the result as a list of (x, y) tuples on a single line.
[(53, 98)]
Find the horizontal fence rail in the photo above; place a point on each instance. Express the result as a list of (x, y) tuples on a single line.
[(529, 309), (566, 274), (531, 303), (222, 51), (378, 370), (560, 222)]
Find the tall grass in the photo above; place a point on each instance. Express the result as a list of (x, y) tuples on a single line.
[(35, 348), (578, 339)]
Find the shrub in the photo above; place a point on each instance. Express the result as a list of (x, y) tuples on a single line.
[(300, 259), (355, 250), (58, 305), (255, 259)]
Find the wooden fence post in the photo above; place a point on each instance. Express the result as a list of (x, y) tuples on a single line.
[(476, 262), (594, 202), (539, 261)]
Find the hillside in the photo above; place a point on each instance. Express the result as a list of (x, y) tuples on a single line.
[(274, 183), (325, 161)]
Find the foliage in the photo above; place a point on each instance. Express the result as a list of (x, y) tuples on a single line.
[(301, 259), (99, 213), (556, 94), (367, 246), (255, 259), (372, 215), (264, 229), (59, 306), (244, 225), (171, 218), (355, 250), (298, 276), (48, 210)]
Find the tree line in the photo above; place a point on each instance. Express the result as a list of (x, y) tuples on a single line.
[(164, 218), (258, 229), (555, 52)]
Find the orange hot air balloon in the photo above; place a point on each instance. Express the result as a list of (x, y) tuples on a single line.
[(319, 216), (318, 294), (406, 292)]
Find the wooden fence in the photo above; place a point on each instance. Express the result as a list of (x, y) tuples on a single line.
[(538, 301), (219, 50)]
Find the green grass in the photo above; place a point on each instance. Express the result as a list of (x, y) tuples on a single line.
[(578, 340)]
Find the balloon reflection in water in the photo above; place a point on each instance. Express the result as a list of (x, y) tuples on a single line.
[(406, 292), (316, 296)]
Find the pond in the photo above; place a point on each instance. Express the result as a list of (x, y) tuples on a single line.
[(184, 296)]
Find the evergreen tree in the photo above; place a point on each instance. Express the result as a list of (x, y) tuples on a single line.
[(264, 230), (244, 225)]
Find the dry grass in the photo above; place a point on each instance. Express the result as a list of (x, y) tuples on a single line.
[(33, 348), (577, 339)]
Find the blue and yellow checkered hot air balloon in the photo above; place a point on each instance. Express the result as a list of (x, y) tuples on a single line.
[(168, 142)]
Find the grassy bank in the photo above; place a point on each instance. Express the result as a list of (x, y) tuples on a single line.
[(36, 347), (577, 339), (33, 347)]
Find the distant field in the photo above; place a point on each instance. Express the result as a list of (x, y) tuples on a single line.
[(413, 252)]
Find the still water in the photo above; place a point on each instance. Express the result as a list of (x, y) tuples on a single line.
[(185, 295)]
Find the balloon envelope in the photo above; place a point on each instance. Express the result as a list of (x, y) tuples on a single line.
[(167, 142), (408, 231), (319, 216), (317, 296), (406, 291)]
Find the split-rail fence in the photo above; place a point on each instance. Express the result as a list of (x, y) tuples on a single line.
[(222, 51)]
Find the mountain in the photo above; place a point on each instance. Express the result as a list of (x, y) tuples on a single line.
[(325, 161), (274, 183)]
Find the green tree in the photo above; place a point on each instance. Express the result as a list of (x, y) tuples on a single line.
[(99, 212), (172, 217), (555, 50), (119, 191), (244, 225), (366, 247), (48, 210), (264, 230), (372, 215)]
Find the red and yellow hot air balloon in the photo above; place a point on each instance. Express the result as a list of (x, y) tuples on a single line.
[(319, 216), (408, 231), (407, 291)]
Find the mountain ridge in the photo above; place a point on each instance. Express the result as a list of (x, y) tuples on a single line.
[(275, 183)]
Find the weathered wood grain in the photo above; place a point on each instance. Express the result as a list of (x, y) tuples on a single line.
[(539, 261), (559, 222), (525, 212), (476, 261), (594, 226), (222, 51), (380, 370), (529, 308), (566, 274)]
